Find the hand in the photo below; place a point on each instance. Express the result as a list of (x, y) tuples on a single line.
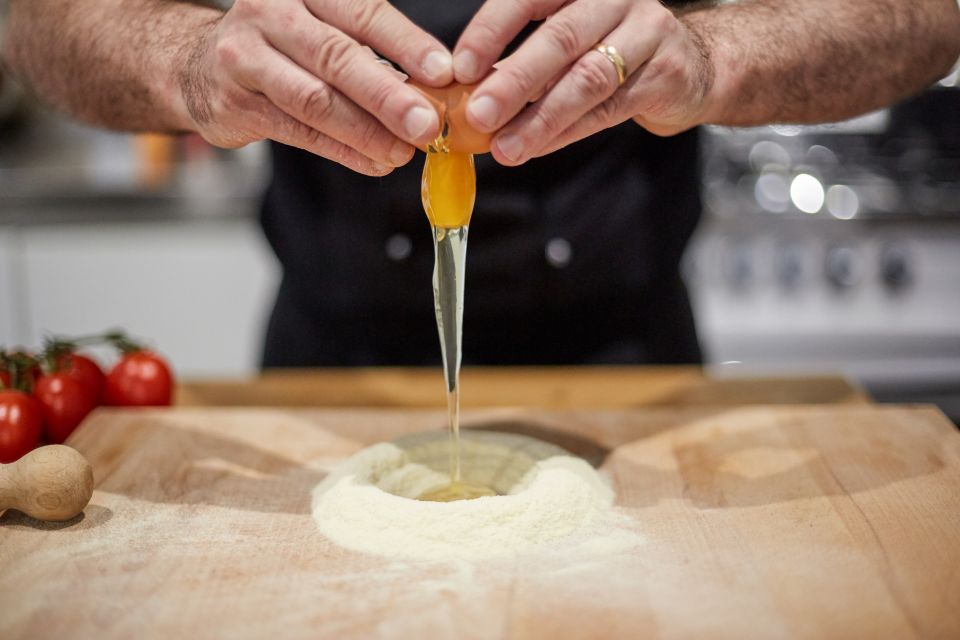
[(556, 89), (297, 71)]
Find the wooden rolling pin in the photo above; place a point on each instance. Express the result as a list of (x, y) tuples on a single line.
[(51, 483)]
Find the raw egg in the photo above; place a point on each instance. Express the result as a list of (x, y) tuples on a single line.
[(448, 188), (451, 105)]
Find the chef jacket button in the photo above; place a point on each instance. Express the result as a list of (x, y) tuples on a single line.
[(398, 247), (558, 252)]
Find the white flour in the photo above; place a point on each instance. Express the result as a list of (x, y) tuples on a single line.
[(366, 503)]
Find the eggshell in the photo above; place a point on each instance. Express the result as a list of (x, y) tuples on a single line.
[(451, 101)]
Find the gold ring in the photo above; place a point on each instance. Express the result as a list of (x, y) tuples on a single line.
[(610, 53)]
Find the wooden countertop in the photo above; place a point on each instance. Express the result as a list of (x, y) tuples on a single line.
[(828, 521), (558, 388)]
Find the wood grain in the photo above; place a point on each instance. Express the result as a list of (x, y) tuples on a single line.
[(554, 387), (767, 522)]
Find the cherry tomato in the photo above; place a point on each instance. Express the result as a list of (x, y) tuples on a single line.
[(21, 422), (28, 376), (66, 402), (85, 371), (139, 379)]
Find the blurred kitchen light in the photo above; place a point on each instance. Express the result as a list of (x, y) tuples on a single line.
[(787, 130), (821, 156), (807, 193), (766, 153), (842, 202), (953, 78), (772, 192)]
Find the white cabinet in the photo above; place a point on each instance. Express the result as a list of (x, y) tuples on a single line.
[(199, 290), (10, 307)]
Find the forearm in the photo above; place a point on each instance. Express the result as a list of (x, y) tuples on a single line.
[(114, 63), (821, 60)]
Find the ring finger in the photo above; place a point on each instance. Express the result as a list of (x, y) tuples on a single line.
[(591, 80), (558, 42)]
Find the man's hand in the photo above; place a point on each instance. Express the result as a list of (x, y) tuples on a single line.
[(741, 64), (556, 89), (297, 71)]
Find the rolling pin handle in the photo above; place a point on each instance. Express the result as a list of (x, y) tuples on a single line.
[(52, 483)]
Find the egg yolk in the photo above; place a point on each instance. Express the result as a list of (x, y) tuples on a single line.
[(448, 188)]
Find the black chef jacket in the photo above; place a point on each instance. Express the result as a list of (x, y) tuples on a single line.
[(573, 258)]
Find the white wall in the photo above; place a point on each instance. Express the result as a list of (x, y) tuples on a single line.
[(199, 290), (9, 327)]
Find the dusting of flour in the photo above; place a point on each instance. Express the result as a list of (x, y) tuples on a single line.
[(366, 504)]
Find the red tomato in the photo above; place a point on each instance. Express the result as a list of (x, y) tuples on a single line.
[(66, 402), (27, 376), (85, 371), (21, 422), (139, 379)]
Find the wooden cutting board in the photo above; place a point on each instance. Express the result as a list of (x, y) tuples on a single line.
[(805, 522), (554, 387)]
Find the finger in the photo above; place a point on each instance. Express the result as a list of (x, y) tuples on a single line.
[(491, 29), (542, 91), (383, 27), (558, 43), (591, 80), (380, 59), (318, 105), (603, 116), (271, 122), (659, 96), (623, 105), (334, 57)]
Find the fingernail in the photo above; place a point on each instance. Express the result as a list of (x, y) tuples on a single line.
[(400, 153), (484, 110), (510, 146), (419, 121), (465, 65), (438, 65), (381, 169)]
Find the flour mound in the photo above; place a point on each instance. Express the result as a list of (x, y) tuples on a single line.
[(367, 503)]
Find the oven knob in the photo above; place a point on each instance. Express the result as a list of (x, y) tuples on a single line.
[(841, 267), (739, 266), (789, 265), (895, 271)]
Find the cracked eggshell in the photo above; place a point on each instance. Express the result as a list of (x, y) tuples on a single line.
[(451, 101)]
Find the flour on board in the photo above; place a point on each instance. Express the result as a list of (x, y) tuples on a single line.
[(366, 504)]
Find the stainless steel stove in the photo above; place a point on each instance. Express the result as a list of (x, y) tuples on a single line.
[(837, 249)]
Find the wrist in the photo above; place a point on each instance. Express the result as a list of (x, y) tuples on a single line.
[(184, 86), (714, 74)]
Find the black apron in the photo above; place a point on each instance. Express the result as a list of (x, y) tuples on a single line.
[(573, 258)]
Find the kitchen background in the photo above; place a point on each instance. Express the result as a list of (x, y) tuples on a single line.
[(830, 249)]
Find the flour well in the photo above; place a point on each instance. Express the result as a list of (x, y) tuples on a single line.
[(367, 503)]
